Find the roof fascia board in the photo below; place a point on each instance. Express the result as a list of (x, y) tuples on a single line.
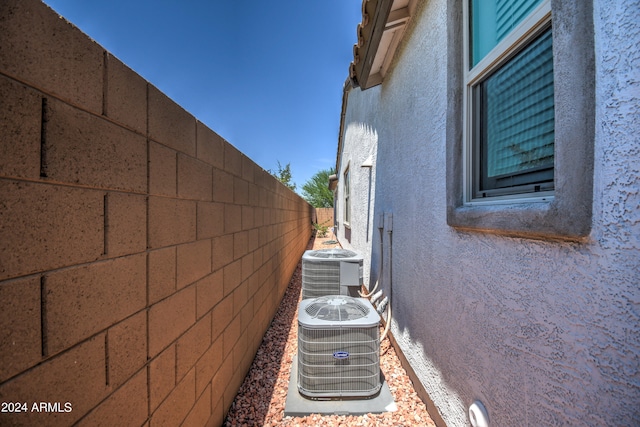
[(378, 24), (397, 17)]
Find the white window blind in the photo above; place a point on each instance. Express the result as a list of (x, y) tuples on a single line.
[(518, 118)]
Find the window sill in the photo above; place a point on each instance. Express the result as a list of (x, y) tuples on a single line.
[(541, 220), (545, 198)]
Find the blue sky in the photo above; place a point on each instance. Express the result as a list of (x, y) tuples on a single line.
[(265, 75)]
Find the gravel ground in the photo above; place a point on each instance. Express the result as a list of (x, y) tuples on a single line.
[(261, 399)]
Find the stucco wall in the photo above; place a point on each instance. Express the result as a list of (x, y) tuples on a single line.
[(542, 332), (360, 143), (142, 257)]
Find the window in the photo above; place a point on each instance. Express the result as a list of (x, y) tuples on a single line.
[(510, 119), (347, 198), (521, 118)]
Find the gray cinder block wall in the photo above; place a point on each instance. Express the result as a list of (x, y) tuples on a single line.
[(142, 257)]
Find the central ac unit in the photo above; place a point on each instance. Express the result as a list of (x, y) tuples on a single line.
[(338, 348), (331, 272)]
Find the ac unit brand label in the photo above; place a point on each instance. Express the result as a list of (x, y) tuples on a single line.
[(341, 355)]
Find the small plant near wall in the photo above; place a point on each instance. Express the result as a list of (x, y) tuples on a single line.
[(321, 230)]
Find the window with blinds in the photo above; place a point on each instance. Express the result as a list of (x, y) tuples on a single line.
[(492, 20), (347, 197), (512, 106)]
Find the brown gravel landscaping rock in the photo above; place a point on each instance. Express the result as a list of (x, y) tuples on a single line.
[(261, 398)]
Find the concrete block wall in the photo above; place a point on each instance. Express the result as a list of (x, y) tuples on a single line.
[(142, 257), (324, 216)]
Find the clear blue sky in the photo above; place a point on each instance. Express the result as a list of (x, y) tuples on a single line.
[(265, 75)]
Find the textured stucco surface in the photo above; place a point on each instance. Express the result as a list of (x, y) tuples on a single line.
[(543, 332), (360, 144)]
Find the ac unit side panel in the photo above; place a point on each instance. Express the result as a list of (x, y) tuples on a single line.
[(326, 388), (323, 342), (338, 336), (351, 274), (339, 362), (360, 384), (319, 279)]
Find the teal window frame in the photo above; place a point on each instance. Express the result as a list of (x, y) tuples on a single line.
[(347, 197)]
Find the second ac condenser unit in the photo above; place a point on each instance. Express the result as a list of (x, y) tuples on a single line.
[(331, 272)]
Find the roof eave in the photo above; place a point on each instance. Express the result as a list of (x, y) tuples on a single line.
[(379, 34)]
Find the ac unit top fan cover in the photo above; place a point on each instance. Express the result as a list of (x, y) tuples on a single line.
[(336, 254), (337, 311)]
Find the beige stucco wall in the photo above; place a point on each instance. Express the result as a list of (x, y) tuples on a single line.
[(142, 257)]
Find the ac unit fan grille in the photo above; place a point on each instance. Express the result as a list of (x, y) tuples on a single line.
[(332, 253), (337, 309)]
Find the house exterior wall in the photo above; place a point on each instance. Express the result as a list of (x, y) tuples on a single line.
[(542, 331), (360, 142), (142, 257)]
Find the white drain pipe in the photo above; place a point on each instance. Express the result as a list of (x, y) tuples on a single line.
[(367, 295)]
